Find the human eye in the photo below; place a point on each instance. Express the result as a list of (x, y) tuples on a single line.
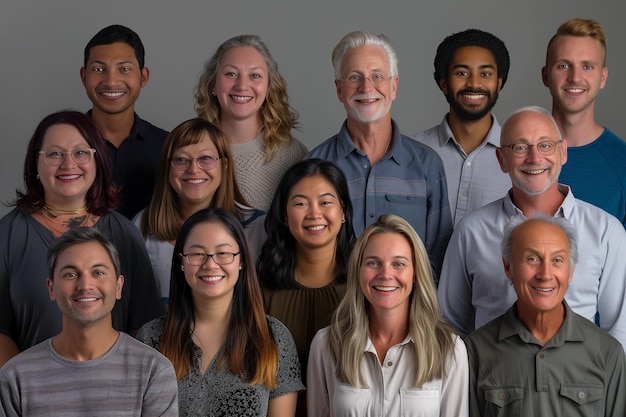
[(372, 263), (69, 275), (207, 158), (196, 257), (230, 74), (486, 74), (222, 256), (180, 160), (398, 264), (54, 154), (377, 76), (255, 76), (545, 146), (588, 67), (354, 78), (532, 259), (97, 69), (520, 147), (461, 73), (562, 66)]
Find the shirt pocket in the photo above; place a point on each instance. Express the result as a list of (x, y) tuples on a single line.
[(582, 399), (349, 401), (420, 402), (503, 401), (410, 207)]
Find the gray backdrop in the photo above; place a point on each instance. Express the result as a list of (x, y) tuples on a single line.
[(41, 51)]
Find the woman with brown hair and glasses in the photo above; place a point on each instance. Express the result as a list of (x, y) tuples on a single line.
[(195, 172), (67, 184), (230, 358)]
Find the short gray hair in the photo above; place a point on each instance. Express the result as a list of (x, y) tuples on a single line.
[(361, 38), (561, 222)]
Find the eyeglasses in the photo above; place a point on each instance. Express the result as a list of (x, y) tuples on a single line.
[(199, 259), (377, 79), (546, 148), (205, 162), (55, 157)]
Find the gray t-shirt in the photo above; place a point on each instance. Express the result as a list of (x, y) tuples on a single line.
[(131, 379)]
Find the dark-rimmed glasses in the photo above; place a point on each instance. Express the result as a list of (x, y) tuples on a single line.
[(205, 162), (545, 148), (55, 157), (199, 258)]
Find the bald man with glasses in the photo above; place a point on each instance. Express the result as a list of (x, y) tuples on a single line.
[(474, 290)]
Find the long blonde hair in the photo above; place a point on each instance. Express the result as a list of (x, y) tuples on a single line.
[(349, 329)]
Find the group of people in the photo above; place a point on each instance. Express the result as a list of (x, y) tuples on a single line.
[(451, 273)]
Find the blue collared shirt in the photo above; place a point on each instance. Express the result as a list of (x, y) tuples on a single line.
[(408, 181), (473, 180)]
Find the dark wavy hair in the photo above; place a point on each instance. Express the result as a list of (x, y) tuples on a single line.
[(277, 263), (471, 37), (250, 351), (102, 196)]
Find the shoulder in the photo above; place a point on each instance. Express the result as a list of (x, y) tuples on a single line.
[(325, 150), (151, 332), (279, 330), (150, 131), (15, 216), (297, 148), (428, 136), (116, 224), (29, 358)]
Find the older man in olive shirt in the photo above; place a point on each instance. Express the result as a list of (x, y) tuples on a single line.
[(540, 358)]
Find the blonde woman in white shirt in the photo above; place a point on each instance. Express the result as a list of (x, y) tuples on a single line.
[(388, 351)]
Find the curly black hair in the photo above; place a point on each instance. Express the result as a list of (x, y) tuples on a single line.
[(471, 37)]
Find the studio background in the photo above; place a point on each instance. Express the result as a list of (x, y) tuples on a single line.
[(42, 42)]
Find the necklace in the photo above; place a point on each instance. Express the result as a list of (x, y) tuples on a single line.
[(58, 227), (56, 212)]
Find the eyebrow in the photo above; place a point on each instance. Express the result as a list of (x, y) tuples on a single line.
[(218, 246), (74, 267), (258, 68), (482, 66), (319, 196), (98, 62)]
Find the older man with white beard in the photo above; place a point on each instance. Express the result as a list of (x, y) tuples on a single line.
[(473, 288), (387, 172)]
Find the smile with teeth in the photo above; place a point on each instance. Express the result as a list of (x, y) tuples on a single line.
[(473, 96), (212, 278), (195, 181), (384, 289), (112, 94), (574, 90), (85, 299), (540, 289), (241, 99), (534, 171), (315, 228), (68, 177)]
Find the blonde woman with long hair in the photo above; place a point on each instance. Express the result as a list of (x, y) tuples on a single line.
[(387, 348)]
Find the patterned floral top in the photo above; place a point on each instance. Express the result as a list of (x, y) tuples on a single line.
[(218, 392)]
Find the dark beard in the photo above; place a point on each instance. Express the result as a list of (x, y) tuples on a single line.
[(471, 116)]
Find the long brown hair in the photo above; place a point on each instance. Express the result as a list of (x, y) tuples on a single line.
[(250, 350)]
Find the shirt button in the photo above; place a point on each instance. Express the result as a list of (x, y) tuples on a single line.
[(542, 355), (581, 395), (371, 215), (389, 363), (501, 396)]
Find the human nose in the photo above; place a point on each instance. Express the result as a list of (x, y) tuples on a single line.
[(193, 165), (68, 160), (210, 263), (84, 282), (574, 73)]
